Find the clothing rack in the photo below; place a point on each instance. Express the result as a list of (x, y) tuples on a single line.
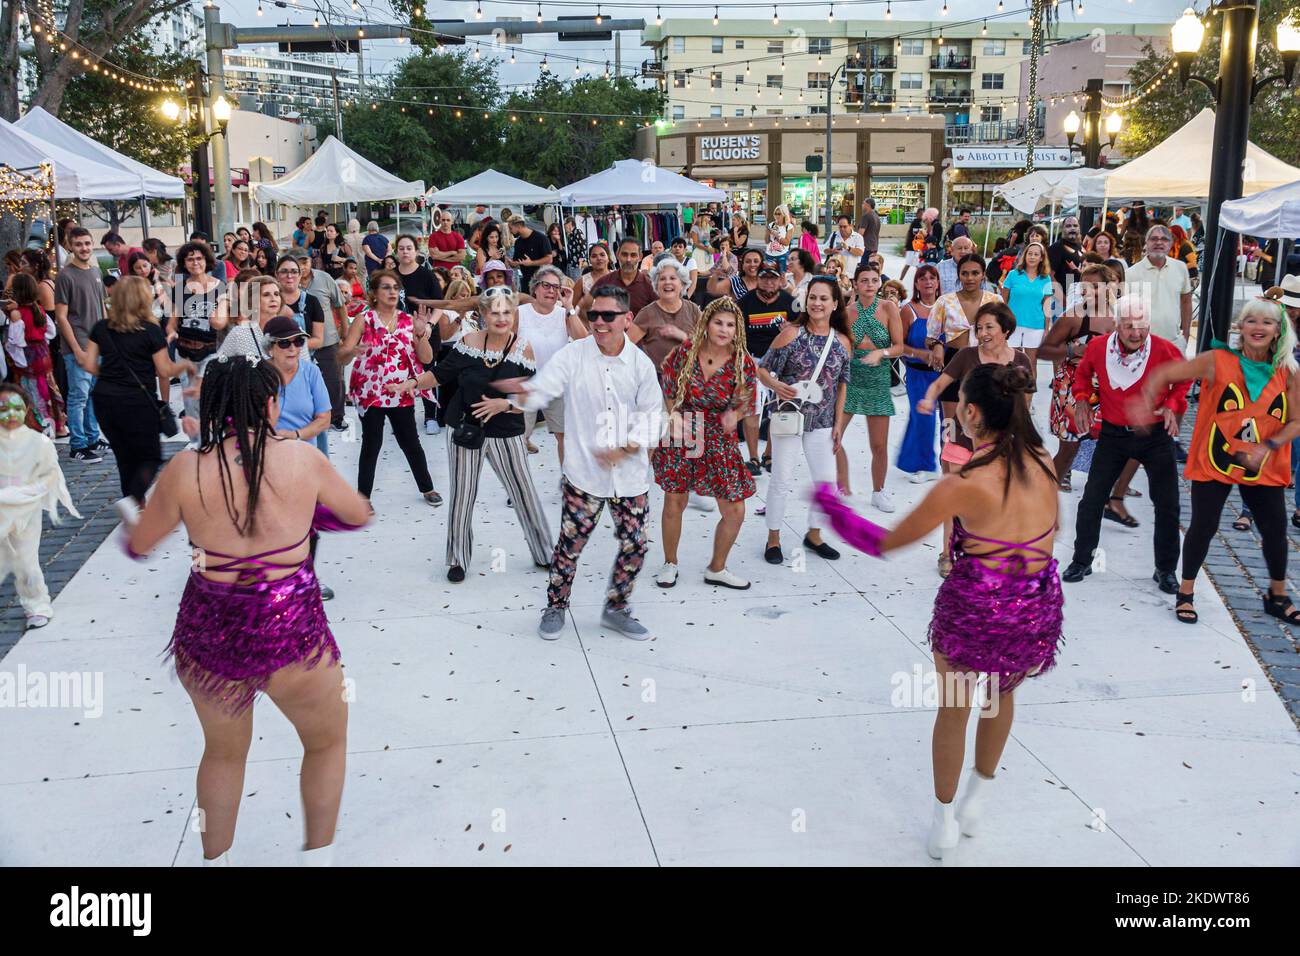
[(645, 224)]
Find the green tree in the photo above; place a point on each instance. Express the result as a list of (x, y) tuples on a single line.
[(1274, 118), (583, 133)]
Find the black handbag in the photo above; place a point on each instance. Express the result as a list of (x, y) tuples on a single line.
[(167, 424), (469, 433)]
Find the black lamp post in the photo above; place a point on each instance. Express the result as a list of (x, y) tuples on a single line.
[(1091, 127), (1234, 91)]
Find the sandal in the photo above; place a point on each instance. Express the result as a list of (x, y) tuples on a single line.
[(1064, 484), (1295, 520), (1110, 514), (1280, 607), (1183, 609), (767, 467), (1242, 523), (755, 469)]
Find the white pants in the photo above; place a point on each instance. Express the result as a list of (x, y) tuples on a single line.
[(817, 449), (20, 556)]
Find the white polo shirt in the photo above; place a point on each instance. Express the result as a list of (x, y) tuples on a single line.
[(1161, 290)]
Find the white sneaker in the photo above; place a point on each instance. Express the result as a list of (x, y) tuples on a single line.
[(726, 579), (700, 503), (667, 575), (127, 510), (921, 477), (37, 620), (881, 501)]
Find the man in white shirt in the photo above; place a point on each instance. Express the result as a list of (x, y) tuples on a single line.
[(1165, 287), (546, 324), (678, 249), (849, 244), (612, 403)]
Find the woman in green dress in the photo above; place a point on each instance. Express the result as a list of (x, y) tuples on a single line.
[(877, 337)]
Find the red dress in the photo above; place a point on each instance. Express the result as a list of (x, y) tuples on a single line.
[(386, 357), (706, 460)]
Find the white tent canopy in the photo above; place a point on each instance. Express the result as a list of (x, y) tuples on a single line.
[(631, 182), (492, 188), (1045, 187), (1178, 170), (75, 177), (1274, 214), (336, 174), (156, 185)]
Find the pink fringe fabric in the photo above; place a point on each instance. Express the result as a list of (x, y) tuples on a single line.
[(856, 530)]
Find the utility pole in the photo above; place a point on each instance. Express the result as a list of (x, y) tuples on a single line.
[(361, 74), (1091, 140), (199, 171), (618, 54), (217, 39)]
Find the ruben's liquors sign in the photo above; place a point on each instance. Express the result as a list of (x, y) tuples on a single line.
[(714, 149)]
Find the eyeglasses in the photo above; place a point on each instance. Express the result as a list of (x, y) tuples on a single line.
[(599, 315), (387, 287), (549, 286), (294, 343), (287, 272)]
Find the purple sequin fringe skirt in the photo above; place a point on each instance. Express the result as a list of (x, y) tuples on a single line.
[(1007, 625), (230, 638)]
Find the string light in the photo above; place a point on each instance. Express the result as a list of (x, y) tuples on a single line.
[(830, 14), (259, 8), (889, 14), (599, 19), (659, 20), (478, 10), (984, 30), (539, 17), (776, 17), (944, 12), (715, 14)]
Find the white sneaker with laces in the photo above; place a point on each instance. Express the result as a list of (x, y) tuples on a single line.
[(881, 501), (726, 579), (667, 575), (921, 477)]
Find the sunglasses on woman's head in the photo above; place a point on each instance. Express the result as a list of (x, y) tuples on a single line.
[(494, 290)]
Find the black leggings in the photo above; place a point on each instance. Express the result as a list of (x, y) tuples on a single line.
[(130, 423), (408, 439), (1267, 503)]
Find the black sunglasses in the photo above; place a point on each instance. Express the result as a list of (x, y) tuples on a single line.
[(294, 343), (597, 315)]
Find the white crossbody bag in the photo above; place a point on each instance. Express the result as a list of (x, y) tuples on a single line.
[(788, 419)]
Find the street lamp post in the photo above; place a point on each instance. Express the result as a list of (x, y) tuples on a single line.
[(212, 119), (1091, 127), (1234, 91), (841, 73)]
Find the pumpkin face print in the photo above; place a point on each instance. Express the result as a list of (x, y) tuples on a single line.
[(1238, 422)]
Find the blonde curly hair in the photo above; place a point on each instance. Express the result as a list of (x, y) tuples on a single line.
[(741, 397)]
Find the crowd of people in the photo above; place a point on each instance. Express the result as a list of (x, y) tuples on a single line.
[(668, 364)]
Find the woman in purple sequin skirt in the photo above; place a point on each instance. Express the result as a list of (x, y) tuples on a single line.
[(251, 618), (999, 612)]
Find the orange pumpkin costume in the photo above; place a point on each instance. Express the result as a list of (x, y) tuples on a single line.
[(1228, 420)]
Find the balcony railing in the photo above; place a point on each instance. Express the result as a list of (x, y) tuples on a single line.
[(951, 61), (1007, 131), (950, 97)]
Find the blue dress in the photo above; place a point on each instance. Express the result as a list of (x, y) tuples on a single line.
[(917, 452)]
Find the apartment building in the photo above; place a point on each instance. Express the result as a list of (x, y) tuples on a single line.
[(287, 85), (971, 74)]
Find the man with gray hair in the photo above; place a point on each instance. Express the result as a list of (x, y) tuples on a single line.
[(1165, 287), (948, 281), (671, 319), (1122, 363)]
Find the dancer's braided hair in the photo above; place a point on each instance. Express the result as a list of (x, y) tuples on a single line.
[(232, 403), (741, 398), (1000, 392)]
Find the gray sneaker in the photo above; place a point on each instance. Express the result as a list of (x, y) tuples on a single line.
[(552, 624), (623, 622)]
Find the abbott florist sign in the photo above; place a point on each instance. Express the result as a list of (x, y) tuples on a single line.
[(976, 157)]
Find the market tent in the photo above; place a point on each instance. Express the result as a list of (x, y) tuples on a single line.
[(156, 185), (75, 177), (492, 188), (1178, 170), (632, 182), (1044, 187), (335, 174), (1274, 214)]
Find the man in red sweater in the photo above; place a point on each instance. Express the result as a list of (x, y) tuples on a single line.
[(1121, 363)]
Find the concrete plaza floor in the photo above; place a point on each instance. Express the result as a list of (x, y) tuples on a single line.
[(774, 726)]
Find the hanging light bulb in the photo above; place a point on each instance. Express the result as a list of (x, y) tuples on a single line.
[(539, 14), (259, 7), (940, 38), (599, 18), (715, 14), (659, 20), (478, 10), (1079, 10), (782, 64), (578, 69), (512, 55), (776, 17), (315, 21), (999, 6), (889, 14), (830, 14), (944, 11), (984, 30), (607, 69), (544, 64), (354, 4), (415, 12)]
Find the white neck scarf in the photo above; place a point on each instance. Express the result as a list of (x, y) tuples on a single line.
[(1125, 368)]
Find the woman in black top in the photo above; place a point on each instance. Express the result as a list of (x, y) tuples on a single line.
[(474, 363), (558, 246), (134, 349), (739, 233), (420, 290)]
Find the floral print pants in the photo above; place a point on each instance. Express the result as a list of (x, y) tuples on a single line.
[(581, 514)]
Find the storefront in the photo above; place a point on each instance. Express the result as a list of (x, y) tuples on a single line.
[(760, 164)]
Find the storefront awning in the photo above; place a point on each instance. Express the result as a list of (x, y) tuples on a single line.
[(730, 173), (841, 170), (878, 169)]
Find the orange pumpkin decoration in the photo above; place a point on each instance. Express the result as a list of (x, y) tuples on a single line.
[(1228, 422)]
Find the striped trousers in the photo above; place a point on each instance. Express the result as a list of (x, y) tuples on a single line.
[(509, 459)]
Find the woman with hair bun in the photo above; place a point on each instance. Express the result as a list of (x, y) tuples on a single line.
[(999, 613)]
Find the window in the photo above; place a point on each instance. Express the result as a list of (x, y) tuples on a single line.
[(775, 46), (819, 45), (995, 47), (679, 112), (1026, 47), (990, 114), (991, 81), (740, 111), (819, 81), (775, 80), (715, 80), (717, 45), (909, 81), (777, 112), (679, 44), (913, 48), (715, 112), (817, 109), (740, 44), (740, 78), (679, 80)]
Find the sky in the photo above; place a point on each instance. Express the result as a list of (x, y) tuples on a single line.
[(381, 56)]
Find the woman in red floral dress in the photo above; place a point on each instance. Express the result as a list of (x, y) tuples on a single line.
[(708, 386), (389, 346)]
